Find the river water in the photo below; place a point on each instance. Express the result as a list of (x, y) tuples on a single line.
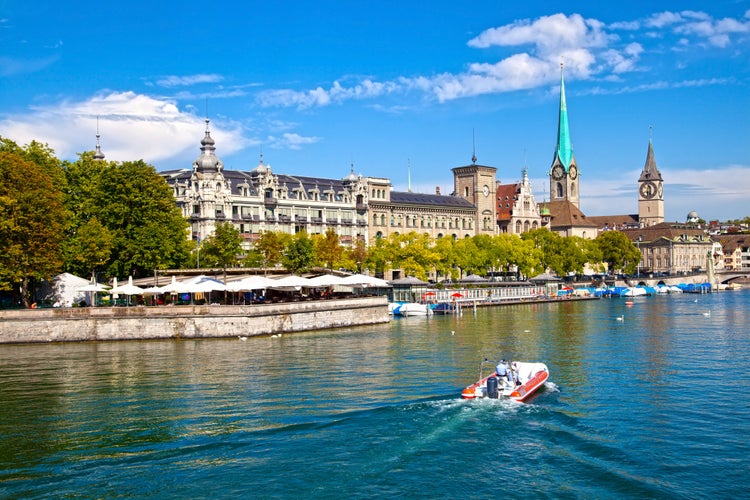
[(653, 406)]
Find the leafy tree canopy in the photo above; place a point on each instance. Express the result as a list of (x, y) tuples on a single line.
[(32, 218)]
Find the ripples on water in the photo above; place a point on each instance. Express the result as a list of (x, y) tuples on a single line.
[(654, 406)]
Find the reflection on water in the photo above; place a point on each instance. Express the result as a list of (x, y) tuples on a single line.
[(379, 405)]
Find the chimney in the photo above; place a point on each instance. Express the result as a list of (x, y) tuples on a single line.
[(437, 190)]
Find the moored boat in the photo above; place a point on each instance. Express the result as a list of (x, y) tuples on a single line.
[(444, 308), (413, 309), (520, 380)]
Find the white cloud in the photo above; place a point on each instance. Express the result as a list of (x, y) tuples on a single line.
[(584, 45), (716, 193), (549, 34), (588, 48), (292, 141), (10, 66), (187, 80), (319, 96), (132, 126)]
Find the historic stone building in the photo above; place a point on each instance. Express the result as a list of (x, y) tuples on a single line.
[(650, 192), (355, 207), (260, 200), (563, 174), (565, 215), (671, 248), (517, 210), (476, 184)]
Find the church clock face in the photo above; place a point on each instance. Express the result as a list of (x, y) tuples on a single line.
[(557, 172), (660, 191), (486, 190), (648, 190), (573, 172)]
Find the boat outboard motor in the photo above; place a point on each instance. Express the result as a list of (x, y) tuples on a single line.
[(492, 387)]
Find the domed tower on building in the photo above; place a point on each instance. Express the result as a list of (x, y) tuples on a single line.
[(563, 174), (650, 192), (98, 155), (209, 194)]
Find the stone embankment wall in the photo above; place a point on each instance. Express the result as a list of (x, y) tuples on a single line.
[(189, 321)]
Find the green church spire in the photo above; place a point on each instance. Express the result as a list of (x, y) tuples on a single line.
[(564, 148)]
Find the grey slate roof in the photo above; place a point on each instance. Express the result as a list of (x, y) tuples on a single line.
[(408, 198)]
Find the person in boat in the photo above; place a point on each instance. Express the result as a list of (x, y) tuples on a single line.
[(514, 373), (504, 372)]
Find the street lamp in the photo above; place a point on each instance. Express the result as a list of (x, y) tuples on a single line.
[(640, 257)]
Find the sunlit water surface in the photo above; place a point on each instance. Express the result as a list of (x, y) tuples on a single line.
[(654, 406)]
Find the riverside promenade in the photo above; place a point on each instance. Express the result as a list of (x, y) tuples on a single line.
[(80, 324)]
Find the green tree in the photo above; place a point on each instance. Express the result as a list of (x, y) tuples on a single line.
[(88, 249), (299, 255), (552, 249), (445, 262), (467, 255), (527, 258), (328, 249), (355, 257), (412, 252), (270, 245), (379, 256), (222, 248), (618, 252), (32, 219), (137, 206)]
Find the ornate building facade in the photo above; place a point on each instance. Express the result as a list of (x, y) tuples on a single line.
[(355, 207), (517, 210)]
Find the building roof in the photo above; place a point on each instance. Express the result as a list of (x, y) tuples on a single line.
[(437, 200), (565, 214), (731, 242), (673, 231), (506, 197), (564, 150), (606, 222), (650, 172)]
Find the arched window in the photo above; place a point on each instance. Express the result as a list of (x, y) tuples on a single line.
[(518, 227), (559, 190)]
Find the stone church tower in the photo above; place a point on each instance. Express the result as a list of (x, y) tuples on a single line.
[(563, 174), (476, 184), (650, 192)]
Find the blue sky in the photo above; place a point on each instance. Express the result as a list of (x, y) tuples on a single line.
[(403, 90)]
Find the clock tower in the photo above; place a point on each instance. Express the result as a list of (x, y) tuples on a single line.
[(476, 184), (563, 174), (650, 192)]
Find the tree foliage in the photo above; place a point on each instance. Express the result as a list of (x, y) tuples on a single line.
[(618, 251), (328, 249), (270, 245), (136, 207), (300, 253), (32, 218), (223, 248)]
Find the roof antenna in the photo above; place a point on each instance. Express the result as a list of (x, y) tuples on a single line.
[(408, 174), (473, 148)]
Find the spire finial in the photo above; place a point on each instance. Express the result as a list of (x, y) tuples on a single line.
[(473, 148), (98, 155), (650, 133)]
